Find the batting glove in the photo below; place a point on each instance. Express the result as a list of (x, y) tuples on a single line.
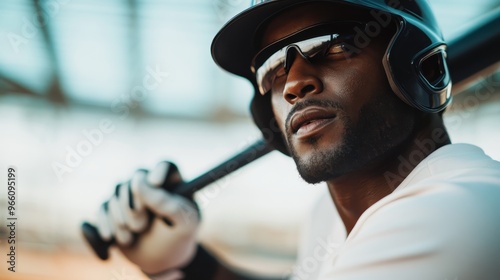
[(161, 243)]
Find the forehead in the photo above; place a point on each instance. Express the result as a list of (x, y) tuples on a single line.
[(301, 16)]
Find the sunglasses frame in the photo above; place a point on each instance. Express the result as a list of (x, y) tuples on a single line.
[(316, 33)]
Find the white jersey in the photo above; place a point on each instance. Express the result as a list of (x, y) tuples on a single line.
[(441, 223)]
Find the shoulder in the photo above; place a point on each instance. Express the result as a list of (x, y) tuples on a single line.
[(443, 222), (454, 179)]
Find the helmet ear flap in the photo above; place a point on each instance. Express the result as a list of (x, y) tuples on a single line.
[(418, 72)]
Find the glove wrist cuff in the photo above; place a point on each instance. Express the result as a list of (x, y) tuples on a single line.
[(203, 266)]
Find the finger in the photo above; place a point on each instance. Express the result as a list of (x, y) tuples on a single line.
[(115, 213), (123, 236), (158, 175), (103, 226), (138, 178), (135, 219), (116, 218), (166, 204), (164, 173)]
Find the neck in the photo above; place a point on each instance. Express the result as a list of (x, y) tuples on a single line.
[(356, 191)]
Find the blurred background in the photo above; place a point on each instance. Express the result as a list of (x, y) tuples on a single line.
[(92, 90)]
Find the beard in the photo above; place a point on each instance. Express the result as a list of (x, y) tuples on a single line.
[(382, 125)]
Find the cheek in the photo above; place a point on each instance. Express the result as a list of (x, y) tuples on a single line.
[(358, 83), (281, 108), (347, 86)]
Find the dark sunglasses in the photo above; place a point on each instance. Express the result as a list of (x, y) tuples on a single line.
[(314, 42)]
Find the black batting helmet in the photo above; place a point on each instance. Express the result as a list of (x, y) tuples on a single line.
[(414, 62)]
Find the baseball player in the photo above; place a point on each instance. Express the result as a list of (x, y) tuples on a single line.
[(353, 91)]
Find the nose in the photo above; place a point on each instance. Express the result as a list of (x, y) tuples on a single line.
[(301, 79)]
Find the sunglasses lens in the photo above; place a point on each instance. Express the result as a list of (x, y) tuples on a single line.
[(275, 66), (273, 61)]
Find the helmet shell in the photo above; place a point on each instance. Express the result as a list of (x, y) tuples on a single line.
[(416, 47)]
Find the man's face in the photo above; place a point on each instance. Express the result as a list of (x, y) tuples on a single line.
[(337, 114)]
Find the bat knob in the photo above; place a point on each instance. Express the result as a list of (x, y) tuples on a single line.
[(95, 241)]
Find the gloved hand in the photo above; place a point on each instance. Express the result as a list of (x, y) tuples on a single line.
[(156, 244)]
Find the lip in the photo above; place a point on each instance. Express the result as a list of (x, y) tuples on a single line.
[(311, 119)]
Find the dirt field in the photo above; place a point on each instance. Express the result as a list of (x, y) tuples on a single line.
[(61, 264), (79, 263)]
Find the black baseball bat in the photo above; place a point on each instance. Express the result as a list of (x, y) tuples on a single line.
[(253, 152)]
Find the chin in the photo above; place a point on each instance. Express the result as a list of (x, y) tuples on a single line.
[(319, 163)]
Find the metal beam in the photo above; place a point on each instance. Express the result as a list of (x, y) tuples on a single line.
[(476, 52), (9, 85), (54, 91)]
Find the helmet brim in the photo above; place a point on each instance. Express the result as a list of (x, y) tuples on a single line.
[(234, 46)]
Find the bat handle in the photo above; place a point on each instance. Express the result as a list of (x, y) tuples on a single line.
[(253, 152)]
